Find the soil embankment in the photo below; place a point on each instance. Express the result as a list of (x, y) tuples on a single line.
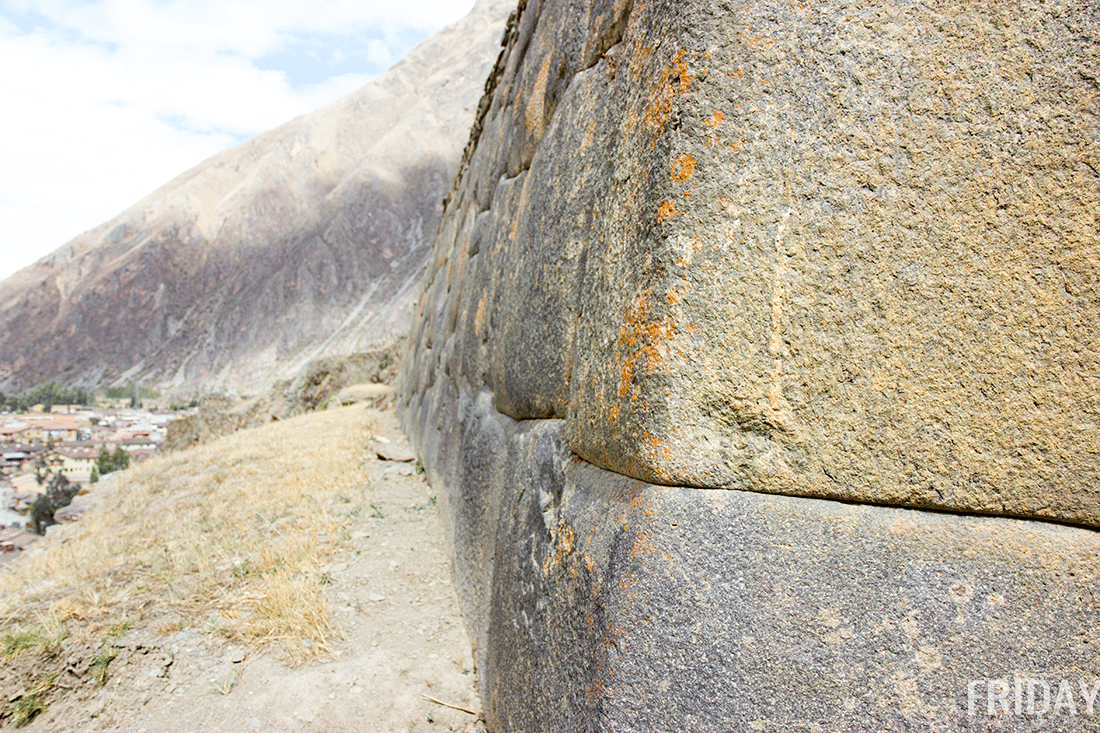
[(283, 578)]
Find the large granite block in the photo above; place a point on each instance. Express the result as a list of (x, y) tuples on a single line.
[(603, 603), (815, 250)]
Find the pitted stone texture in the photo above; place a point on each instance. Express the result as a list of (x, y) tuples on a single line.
[(510, 251), (870, 266), (819, 250), (602, 603)]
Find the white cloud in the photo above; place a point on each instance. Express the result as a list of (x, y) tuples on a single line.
[(105, 101)]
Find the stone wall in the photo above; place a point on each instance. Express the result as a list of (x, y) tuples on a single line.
[(703, 254)]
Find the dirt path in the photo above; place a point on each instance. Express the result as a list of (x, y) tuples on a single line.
[(389, 592)]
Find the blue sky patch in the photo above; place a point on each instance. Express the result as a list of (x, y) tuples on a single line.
[(313, 59)]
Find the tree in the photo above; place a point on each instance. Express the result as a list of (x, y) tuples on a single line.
[(41, 513), (41, 470), (108, 462), (103, 461), (94, 477), (59, 494)]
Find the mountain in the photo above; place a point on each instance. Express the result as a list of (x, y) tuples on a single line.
[(303, 242)]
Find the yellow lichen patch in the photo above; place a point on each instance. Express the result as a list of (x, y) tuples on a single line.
[(479, 318), (683, 167), (659, 453), (712, 122), (561, 537), (644, 546), (754, 41), (535, 116), (644, 339), (589, 136), (666, 210), (640, 59), (660, 101), (643, 506)]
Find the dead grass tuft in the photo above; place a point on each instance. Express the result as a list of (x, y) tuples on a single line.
[(237, 530)]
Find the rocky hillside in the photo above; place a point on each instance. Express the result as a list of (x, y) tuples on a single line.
[(303, 242), (185, 599)]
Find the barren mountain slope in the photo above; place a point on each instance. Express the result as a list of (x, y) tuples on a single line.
[(301, 242)]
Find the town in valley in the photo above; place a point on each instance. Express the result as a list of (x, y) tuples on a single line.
[(52, 457)]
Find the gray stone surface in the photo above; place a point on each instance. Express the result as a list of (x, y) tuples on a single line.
[(600, 602), (739, 318), (831, 251)]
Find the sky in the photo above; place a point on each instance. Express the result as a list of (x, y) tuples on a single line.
[(103, 101)]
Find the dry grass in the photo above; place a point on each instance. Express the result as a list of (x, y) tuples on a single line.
[(230, 537)]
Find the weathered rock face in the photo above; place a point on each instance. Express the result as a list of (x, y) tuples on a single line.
[(603, 603), (831, 252), (301, 243), (817, 255), (361, 377)]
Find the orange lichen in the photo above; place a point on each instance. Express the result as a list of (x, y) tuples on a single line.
[(535, 114), (660, 100), (644, 341), (589, 136), (755, 41), (642, 505), (479, 318), (665, 210), (658, 451), (561, 537), (640, 59), (714, 119), (683, 167)]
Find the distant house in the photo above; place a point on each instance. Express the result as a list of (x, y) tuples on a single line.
[(134, 445), (14, 432), (61, 429), (19, 457), (137, 455), (38, 428), (30, 451), (74, 462), (15, 540), (141, 430), (11, 460), (25, 482)]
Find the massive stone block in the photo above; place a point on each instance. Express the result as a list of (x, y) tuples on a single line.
[(823, 251), (711, 269), (599, 602), (858, 256)]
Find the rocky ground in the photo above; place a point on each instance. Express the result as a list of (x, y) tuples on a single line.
[(400, 641)]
